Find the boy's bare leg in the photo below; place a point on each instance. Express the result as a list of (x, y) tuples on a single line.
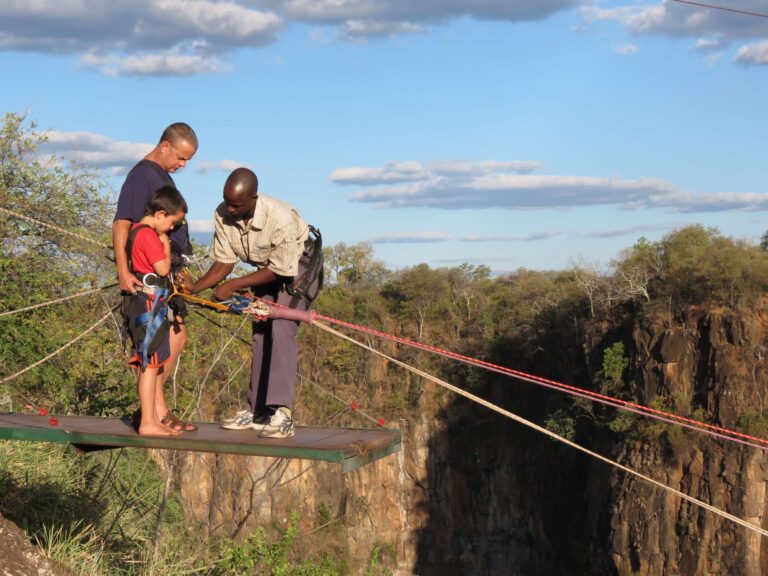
[(147, 389), (177, 342)]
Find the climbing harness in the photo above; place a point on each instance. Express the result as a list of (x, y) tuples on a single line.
[(147, 324)]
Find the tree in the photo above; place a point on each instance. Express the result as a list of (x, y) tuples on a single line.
[(353, 265), (40, 263)]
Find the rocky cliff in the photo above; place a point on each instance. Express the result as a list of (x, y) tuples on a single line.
[(473, 493)]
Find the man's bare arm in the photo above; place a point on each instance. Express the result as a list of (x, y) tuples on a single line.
[(127, 281)]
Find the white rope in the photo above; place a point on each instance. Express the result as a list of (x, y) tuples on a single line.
[(519, 419), (57, 301), (54, 353), (53, 227)]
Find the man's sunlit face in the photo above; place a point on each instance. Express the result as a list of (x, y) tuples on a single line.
[(177, 155)]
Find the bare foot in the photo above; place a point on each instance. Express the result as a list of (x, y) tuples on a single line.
[(157, 430)]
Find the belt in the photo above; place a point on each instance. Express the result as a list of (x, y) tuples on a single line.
[(152, 280)]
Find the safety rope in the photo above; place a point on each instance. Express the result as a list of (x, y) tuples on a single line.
[(661, 415), (54, 227), (57, 301), (67, 345), (548, 433)]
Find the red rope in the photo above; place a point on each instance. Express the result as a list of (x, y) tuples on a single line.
[(668, 417)]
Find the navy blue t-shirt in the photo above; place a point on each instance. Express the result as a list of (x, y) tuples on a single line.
[(142, 180)]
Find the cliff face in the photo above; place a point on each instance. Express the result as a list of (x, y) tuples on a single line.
[(713, 361), (474, 493)]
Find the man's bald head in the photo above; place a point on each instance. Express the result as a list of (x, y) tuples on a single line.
[(241, 184), (240, 193)]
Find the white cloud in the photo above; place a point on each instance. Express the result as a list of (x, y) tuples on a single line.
[(169, 63), (431, 237), (115, 156), (717, 202), (492, 184), (339, 11), (201, 226), (362, 30), (137, 37), (753, 54), (616, 232), (627, 49), (410, 238), (412, 171), (714, 58), (220, 166), (712, 29), (183, 37), (504, 238), (709, 44), (95, 150)]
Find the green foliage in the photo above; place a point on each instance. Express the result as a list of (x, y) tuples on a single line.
[(377, 560), (353, 266), (754, 424), (694, 265), (39, 264), (75, 545), (561, 423), (96, 513), (623, 424), (261, 555), (614, 366)]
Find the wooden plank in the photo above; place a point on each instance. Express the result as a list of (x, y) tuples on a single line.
[(350, 447)]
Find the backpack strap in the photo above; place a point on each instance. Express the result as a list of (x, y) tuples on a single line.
[(129, 244)]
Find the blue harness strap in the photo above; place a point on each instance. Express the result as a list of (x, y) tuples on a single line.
[(153, 320)]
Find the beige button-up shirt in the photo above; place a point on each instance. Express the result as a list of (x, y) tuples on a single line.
[(274, 238)]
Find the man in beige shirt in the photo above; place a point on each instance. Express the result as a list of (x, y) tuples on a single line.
[(271, 236)]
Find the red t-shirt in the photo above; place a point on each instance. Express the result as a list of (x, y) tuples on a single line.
[(147, 249)]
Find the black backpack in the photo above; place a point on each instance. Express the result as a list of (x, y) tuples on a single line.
[(308, 284)]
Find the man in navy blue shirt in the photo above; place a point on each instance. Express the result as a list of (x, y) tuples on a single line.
[(176, 147)]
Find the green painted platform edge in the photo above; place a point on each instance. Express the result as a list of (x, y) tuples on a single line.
[(274, 451), (355, 462)]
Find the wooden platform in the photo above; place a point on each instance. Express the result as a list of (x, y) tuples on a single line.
[(350, 447)]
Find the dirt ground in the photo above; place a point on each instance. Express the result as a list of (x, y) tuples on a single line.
[(20, 558)]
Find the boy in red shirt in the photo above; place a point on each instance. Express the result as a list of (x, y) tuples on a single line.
[(149, 258)]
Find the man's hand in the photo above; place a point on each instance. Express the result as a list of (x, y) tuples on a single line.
[(128, 282), (184, 282), (223, 291)]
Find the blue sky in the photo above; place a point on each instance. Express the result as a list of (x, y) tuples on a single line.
[(502, 132)]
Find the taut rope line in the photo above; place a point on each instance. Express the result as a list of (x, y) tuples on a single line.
[(54, 227), (711, 429), (58, 300), (55, 352), (552, 435)]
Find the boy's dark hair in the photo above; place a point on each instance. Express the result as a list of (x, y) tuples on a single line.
[(167, 199)]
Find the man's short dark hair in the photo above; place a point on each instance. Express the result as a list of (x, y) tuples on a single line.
[(167, 199), (179, 132)]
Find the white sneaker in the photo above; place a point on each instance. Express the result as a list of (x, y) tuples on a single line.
[(280, 425), (240, 421), (260, 422)]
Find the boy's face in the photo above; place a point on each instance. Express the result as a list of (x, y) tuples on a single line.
[(166, 222)]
